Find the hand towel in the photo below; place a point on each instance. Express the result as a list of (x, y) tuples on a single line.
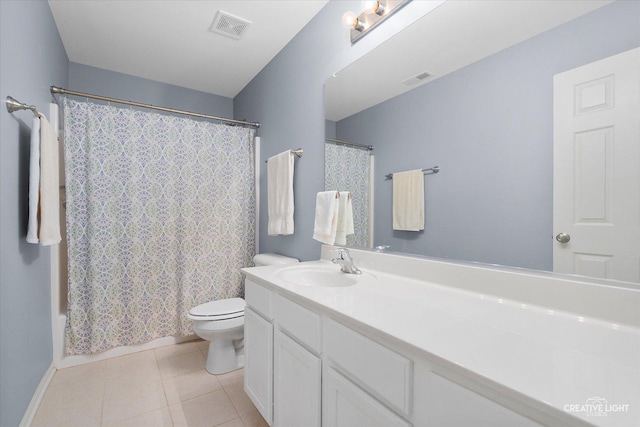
[(408, 200), (345, 218), (326, 220), (34, 182), (280, 194), (49, 185)]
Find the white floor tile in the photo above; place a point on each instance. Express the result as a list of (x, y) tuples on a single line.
[(208, 410), (162, 387), (157, 418), (177, 349), (192, 384), (181, 364)]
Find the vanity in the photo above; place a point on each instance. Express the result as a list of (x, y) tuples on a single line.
[(424, 342)]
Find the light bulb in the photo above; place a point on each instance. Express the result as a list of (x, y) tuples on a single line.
[(374, 6), (369, 5), (348, 19)]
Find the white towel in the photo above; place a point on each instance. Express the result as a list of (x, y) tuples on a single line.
[(34, 182), (345, 218), (280, 194), (326, 220), (408, 200), (49, 185)]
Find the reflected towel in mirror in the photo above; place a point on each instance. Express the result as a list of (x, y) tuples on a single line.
[(326, 220), (408, 200)]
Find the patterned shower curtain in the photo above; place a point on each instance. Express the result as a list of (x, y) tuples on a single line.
[(160, 218), (348, 169)]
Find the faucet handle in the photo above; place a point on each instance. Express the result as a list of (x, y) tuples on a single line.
[(344, 253)]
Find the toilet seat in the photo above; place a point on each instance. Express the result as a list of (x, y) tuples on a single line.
[(223, 309)]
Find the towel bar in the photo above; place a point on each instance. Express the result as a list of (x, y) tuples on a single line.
[(297, 152), (15, 105), (434, 169)]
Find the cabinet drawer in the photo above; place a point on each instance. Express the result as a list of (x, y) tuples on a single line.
[(299, 322), (446, 398), (259, 298), (382, 372)]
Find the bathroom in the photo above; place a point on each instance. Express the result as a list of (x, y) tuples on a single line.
[(34, 58)]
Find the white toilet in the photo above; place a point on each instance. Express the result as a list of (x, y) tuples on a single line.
[(221, 323)]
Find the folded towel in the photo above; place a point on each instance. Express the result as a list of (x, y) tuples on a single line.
[(408, 200), (326, 221), (49, 185), (280, 193), (34, 182), (345, 218)]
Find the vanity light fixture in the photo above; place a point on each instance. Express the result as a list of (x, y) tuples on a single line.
[(376, 11)]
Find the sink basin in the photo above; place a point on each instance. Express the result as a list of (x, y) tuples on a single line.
[(329, 276)]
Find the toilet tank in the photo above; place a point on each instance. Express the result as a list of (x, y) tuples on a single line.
[(272, 259)]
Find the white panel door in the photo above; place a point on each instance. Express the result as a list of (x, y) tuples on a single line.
[(258, 362), (296, 383), (597, 169)]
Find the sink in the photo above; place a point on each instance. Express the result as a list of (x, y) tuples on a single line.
[(317, 275)]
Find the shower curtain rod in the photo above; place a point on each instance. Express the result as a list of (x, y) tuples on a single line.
[(352, 144), (59, 90)]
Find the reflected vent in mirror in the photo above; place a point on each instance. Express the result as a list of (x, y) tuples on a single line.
[(417, 79), (229, 25)]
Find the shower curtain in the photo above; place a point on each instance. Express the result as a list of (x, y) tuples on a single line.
[(160, 218)]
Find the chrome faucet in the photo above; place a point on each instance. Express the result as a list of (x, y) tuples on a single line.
[(345, 261)]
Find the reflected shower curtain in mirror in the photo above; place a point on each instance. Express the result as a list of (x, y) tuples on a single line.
[(348, 169), (160, 218)]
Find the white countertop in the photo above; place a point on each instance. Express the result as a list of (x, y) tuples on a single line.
[(553, 358)]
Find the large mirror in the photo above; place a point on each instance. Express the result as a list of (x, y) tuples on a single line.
[(469, 88)]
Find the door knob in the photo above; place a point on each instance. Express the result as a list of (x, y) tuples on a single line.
[(563, 237)]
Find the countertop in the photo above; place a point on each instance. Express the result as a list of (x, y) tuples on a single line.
[(552, 357)]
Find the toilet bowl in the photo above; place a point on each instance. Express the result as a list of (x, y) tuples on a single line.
[(221, 323)]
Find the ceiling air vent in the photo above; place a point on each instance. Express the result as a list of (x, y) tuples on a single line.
[(417, 79), (229, 25)]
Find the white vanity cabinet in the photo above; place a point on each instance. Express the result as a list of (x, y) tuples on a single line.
[(346, 405), (258, 348), (305, 368), (258, 362), (297, 369), (283, 369)]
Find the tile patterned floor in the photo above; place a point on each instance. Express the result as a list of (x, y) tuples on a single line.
[(167, 386)]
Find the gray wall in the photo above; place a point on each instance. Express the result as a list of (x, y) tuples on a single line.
[(98, 81), (489, 127), (287, 97), (31, 58)]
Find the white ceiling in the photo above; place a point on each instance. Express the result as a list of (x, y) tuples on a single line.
[(452, 36), (170, 42)]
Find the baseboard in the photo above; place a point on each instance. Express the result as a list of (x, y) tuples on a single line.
[(70, 361), (30, 413)]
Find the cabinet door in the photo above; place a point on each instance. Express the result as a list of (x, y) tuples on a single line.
[(258, 362), (297, 384), (346, 405)]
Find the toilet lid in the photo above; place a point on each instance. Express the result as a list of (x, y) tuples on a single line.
[(221, 309)]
